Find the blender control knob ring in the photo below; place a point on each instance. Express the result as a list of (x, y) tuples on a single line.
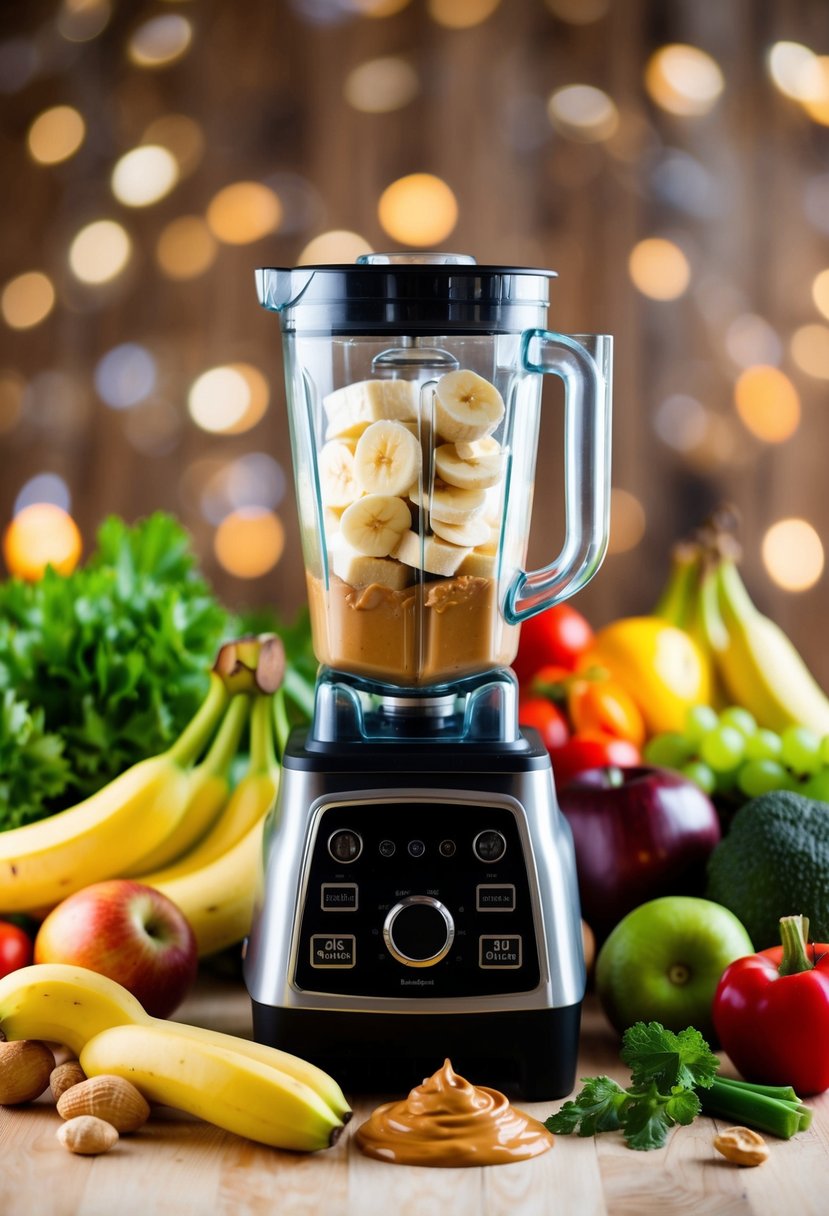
[(419, 931)]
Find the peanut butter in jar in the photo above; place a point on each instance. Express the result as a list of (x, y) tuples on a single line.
[(446, 1121)]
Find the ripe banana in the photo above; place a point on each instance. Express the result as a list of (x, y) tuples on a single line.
[(482, 468), (467, 407), (374, 524), (760, 666), (106, 834), (387, 459), (336, 473), (430, 553), (351, 409), (70, 1005), (360, 571), (676, 602), (225, 1088), (479, 563), (450, 504), (469, 534)]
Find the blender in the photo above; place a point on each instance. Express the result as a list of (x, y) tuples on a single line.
[(419, 897)]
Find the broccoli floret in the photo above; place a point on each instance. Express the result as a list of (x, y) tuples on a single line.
[(774, 862)]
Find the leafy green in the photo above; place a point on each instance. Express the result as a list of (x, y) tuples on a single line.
[(32, 765), (665, 1067)]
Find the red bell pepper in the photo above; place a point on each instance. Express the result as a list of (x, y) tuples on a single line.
[(771, 1011)]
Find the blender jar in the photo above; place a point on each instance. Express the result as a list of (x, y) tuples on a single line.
[(414, 394)]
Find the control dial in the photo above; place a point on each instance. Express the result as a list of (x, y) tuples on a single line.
[(419, 931)]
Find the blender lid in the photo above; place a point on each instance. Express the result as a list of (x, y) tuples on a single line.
[(416, 293)]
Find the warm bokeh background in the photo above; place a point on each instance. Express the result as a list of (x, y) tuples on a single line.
[(669, 158)]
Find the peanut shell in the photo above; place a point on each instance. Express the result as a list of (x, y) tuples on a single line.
[(87, 1135), (742, 1146), (111, 1098), (25, 1068), (64, 1077)]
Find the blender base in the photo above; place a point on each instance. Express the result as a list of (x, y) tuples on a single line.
[(393, 1052)]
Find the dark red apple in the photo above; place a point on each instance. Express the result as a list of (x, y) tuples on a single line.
[(639, 833), (133, 934)]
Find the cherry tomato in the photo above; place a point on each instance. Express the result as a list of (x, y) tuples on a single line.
[(603, 705), (15, 948), (558, 635), (547, 719), (591, 749)]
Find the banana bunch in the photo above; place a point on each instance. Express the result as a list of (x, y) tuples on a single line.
[(754, 663), (258, 1092), (381, 460), (169, 822)]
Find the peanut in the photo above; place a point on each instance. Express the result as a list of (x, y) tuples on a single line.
[(25, 1067), (742, 1146), (111, 1098), (64, 1077), (87, 1135)]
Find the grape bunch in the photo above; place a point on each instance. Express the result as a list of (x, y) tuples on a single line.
[(728, 753)]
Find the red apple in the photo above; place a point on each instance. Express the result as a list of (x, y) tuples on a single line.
[(639, 833), (128, 932)]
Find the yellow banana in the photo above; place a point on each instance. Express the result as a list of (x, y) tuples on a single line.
[(70, 1005), (103, 836), (209, 787), (229, 1090), (218, 898), (761, 667)]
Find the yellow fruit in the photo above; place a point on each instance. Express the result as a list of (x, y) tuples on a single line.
[(660, 665)]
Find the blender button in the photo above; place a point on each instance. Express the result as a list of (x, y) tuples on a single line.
[(499, 951), (386, 848), (345, 846), (338, 897), (489, 845), (330, 951), (416, 848), (446, 848), (495, 897)]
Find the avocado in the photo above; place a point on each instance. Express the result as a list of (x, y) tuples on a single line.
[(774, 862)]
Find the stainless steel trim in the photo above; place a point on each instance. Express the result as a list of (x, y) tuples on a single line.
[(388, 930)]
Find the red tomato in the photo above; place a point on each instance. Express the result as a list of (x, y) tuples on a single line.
[(602, 705), (15, 948), (551, 681), (547, 719), (558, 635), (592, 749)]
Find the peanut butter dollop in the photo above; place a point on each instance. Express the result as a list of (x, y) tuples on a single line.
[(447, 1121)]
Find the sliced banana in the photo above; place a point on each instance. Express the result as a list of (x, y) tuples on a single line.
[(352, 408), (358, 570), (450, 504), (473, 532), (467, 407), (374, 524), (479, 563), (387, 459), (477, 472), (434, 555), (478, 447), (336, 471)]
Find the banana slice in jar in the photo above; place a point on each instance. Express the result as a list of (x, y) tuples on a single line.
[(467, 407), (431, 554), (336, 472), (374, 524), (450, 504), (351, 409), (469, 534), (387, 459), (478, 471), (359, 570)]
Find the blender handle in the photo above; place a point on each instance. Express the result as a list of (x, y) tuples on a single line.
[(587, 380)]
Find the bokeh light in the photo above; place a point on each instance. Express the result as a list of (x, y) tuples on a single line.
[(750, 339), (681, 422), (27, 300), (125, 375), (683, 80), (83, 20), (627, 521), (810, 350), (55, 135), (461, 14), (12, 388), (768, 403), (583, 112), (793, 554), (381, 85), (186, 248), (249, 542), (254, 480), (419, 209), (820, 292), (160, 41), (100, 251), (181, 136), (44, 487), (229, 400), (794, 69), (817, 105), (659, 269), (38, 536), (243, 212), (331, 248), (144, 175)]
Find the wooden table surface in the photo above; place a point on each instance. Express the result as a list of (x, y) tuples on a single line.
[(178, 1166)]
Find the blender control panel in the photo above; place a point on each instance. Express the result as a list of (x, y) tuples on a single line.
[(417, 899)]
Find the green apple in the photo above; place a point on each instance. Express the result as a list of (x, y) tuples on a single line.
[(662, 962)]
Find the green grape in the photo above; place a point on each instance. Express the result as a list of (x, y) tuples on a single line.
[(699, 720), (722, 749), (764, 745), (801, 749), (740, 718), (669, 750), (701, 775), (758, 777), (817, 786)]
